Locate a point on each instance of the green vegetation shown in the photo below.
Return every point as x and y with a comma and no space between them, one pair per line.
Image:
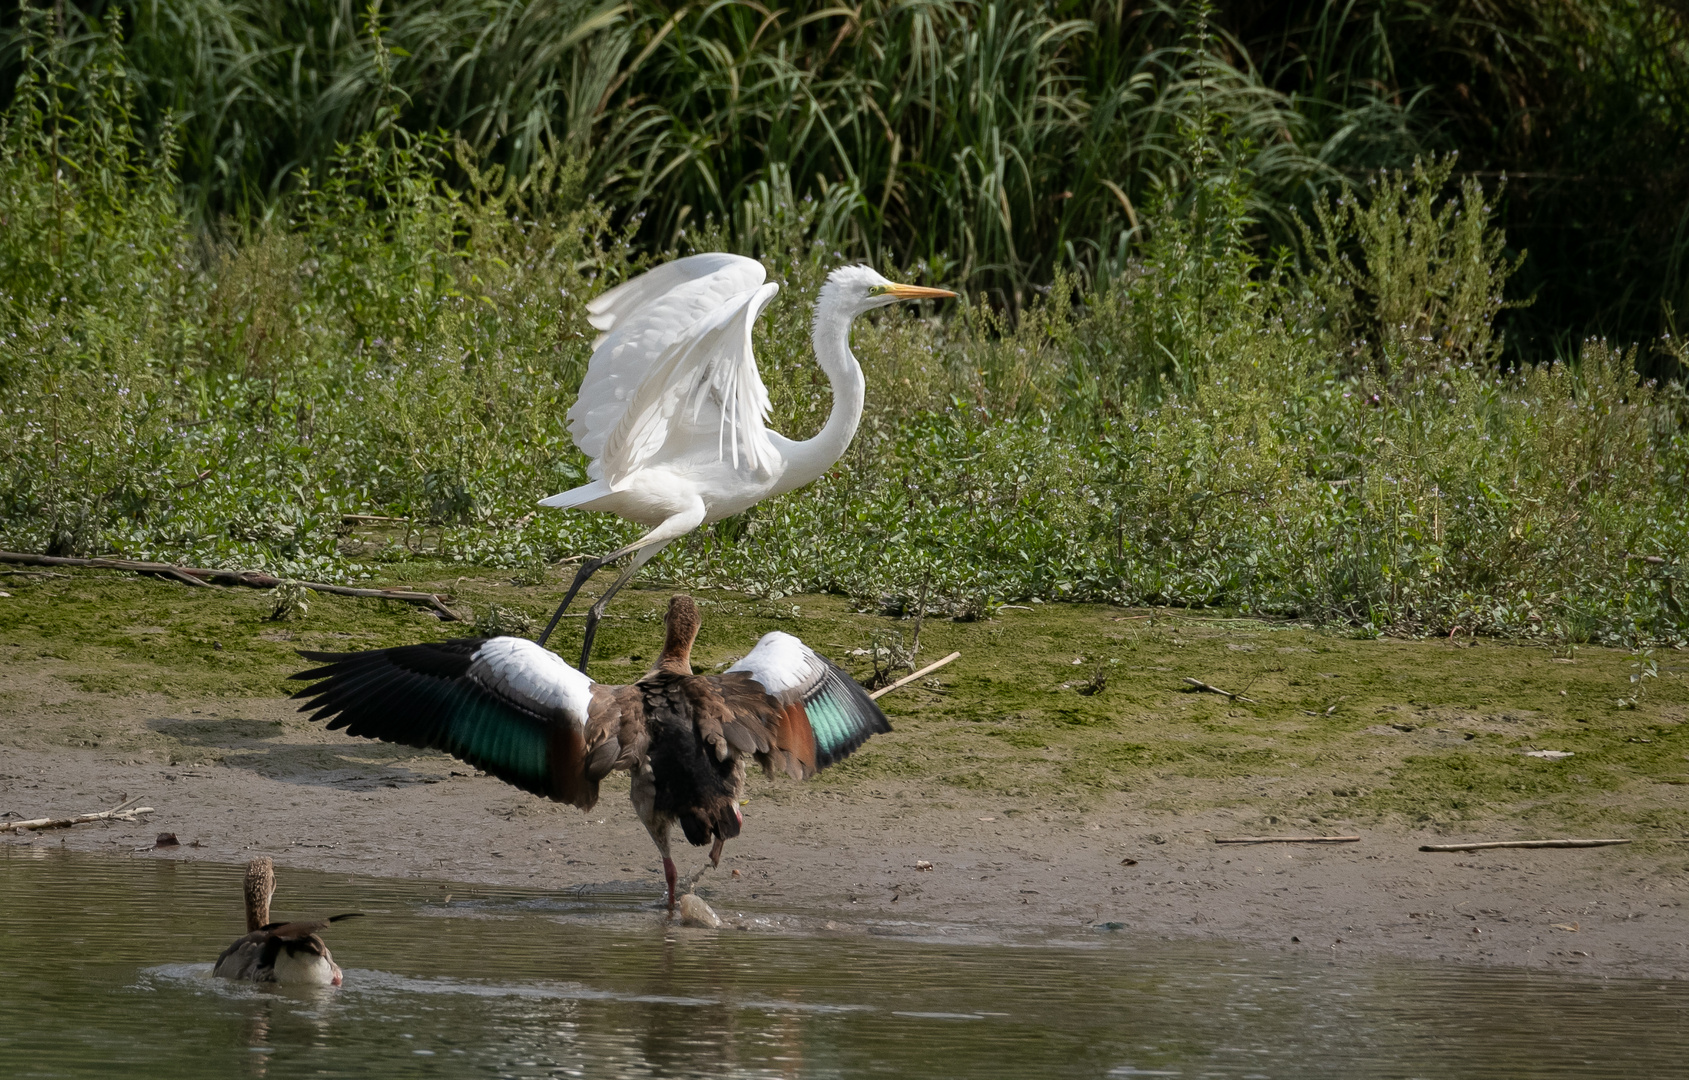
989,142
1330,435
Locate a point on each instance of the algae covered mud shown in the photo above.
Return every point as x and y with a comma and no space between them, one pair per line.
1060,775
103,970
1050,706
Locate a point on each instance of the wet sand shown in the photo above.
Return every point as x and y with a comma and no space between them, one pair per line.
824,857
1040,810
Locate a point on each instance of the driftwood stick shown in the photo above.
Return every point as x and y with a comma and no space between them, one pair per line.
1520,843
120,812
911,678
187,579
256,579
1200,685
431,600
1286,839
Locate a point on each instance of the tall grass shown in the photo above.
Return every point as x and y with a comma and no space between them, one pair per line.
1331,438
1581,104
987,142
990,142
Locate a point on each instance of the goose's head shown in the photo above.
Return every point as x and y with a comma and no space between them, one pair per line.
855,289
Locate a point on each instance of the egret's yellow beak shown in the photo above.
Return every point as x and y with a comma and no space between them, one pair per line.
910,292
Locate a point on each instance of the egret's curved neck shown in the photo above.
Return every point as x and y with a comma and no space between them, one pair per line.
810,458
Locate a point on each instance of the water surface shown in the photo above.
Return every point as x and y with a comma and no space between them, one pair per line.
104,972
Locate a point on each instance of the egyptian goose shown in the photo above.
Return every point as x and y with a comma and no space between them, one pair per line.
277,952
510,707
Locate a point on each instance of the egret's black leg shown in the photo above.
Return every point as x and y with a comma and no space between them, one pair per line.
596,612
589,568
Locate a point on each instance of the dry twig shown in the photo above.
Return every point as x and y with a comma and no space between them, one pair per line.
1286,839
199,576
911,678
120,812
1202,686
1520,843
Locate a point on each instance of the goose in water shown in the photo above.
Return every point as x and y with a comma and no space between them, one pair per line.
519,712
270,952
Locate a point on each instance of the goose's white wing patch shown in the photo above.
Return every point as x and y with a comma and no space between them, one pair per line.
785,666
532,676
824,714
502,704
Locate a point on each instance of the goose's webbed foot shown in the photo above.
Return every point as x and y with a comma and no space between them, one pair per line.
715,861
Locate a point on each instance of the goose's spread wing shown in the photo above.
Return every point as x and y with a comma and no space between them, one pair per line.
305,927
797,711
673,369
502,704
239,960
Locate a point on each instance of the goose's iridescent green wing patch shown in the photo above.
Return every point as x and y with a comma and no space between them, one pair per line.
815,714
503,704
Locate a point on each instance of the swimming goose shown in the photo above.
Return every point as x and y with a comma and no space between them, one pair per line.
519,712
270,952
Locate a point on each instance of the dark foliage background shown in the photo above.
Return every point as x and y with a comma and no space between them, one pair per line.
985,141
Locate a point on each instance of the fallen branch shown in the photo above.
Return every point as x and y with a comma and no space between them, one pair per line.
1286,839
120,812
199,576
911,678
1202,686
1520,843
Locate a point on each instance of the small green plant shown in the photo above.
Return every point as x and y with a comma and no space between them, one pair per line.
1643,668
889,658
1410,282
498,621
530,574
292,601
1098,682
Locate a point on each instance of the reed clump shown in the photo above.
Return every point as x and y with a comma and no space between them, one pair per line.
989,143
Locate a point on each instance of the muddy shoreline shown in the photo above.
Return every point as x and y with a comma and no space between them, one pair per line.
848,861
1045,803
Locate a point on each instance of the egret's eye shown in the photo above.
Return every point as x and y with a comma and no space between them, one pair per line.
878,290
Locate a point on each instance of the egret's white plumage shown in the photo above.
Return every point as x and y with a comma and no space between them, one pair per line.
673,413
674,363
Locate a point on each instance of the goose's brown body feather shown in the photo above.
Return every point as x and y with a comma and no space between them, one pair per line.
522,714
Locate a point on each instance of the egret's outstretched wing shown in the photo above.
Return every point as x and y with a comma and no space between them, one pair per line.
792,708
502,704
673,375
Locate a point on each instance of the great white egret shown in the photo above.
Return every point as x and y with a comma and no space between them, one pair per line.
519,711
672,408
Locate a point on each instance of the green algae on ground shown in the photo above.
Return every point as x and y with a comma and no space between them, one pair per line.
1059,704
